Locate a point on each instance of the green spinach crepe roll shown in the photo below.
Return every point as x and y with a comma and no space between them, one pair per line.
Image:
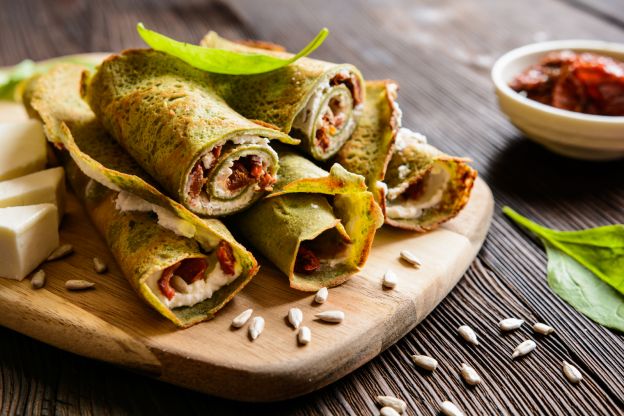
417,186
185,267
167,116
316,226
316,101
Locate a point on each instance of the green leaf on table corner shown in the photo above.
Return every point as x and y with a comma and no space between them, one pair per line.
601,249
222,61
11,78
583,290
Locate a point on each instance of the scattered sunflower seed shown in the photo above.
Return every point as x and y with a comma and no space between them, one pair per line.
99,265
37,281
411,258
394,403
524,348
242,318
389,279
61,251
179,284
388,411
573,375
78,284
331,316
256,327
321,295
470,375
468,334
426,362
295,317
543,329
304,336
510,324
449,409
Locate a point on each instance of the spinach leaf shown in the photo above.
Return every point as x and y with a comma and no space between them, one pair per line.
222,61
601,249
583,290
11,79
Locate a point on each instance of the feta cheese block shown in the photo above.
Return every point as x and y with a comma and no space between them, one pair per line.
37,188
28,234
22,149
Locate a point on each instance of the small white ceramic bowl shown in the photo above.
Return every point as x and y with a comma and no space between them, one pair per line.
577,135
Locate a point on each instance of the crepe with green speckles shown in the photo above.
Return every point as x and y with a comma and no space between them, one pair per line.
316,101
154,239
417,186
167,116
316,226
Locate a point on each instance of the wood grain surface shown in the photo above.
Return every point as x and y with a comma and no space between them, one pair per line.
440,52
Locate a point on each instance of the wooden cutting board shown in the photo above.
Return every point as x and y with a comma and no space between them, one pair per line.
112,324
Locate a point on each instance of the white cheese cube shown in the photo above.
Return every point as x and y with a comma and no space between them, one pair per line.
37,188
28,234
22,149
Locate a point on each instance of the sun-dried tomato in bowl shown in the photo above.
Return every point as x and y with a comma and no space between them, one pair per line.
583,82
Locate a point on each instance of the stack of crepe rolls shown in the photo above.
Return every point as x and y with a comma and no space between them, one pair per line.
417,186
316,226
184,267
161,109
316,101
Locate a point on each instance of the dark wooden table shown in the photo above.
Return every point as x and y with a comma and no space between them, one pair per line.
440,51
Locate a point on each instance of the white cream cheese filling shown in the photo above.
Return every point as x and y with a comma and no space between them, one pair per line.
435,185
244,195
198,291
129,202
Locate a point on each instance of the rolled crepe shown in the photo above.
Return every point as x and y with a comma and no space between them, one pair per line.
417,186
167,116
317,227
313,100
184,267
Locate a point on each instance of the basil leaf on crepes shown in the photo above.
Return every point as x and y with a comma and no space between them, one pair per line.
315,101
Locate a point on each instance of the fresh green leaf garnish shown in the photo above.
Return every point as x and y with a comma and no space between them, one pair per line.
601,249
583,290
11,78
222,61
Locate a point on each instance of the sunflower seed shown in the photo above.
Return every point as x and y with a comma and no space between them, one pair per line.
449,409
99,265
510,324
256,327
179,284
242,318
468,334
304,336
330,316
389,279
411,258
426,362
470,375
524,348
573,375
78,284
37,281
295,317
394,403
388,411
321,295
61,251
543,329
